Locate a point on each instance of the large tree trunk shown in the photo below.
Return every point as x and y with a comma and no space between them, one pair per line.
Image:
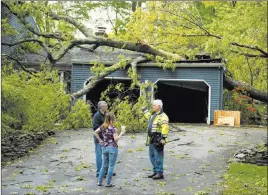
230,84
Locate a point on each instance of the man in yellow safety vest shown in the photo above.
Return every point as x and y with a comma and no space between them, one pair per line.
158,129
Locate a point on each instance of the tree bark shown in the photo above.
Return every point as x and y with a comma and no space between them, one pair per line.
230,84
134,5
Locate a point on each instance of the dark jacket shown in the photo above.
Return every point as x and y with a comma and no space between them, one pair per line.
98,120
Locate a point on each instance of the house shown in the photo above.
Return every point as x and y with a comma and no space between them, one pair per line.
190,93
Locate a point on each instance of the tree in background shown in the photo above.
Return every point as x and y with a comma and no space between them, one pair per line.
160,31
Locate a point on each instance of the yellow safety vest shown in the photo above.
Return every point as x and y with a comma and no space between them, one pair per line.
160,125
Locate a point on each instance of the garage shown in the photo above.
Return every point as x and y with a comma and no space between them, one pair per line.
190,93
184,101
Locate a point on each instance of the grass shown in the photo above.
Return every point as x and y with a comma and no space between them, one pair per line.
245,179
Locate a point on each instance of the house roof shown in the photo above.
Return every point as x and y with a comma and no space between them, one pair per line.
109,56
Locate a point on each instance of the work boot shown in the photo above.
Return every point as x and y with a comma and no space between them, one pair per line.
158,176
151,176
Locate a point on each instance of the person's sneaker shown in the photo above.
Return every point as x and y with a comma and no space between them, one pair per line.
151,176
158,176
114,174
99,184
97,175
110,185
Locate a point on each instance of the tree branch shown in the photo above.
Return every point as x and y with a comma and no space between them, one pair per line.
81,27
230,84
31,29
108,42
21,65
250,47
120,45
194,23
188,35
134,64
249,55
93,47
49,55
94,80
207,33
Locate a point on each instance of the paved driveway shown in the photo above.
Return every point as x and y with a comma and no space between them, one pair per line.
65,163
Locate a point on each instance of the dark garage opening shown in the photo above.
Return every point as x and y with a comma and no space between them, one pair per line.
95,94
184,104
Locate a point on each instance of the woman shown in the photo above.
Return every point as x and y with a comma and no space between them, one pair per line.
109,147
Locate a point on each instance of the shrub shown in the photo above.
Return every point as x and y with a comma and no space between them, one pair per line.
79,116
37,103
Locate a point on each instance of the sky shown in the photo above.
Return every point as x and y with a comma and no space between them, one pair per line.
99,17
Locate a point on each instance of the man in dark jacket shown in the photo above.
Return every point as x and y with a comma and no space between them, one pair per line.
98,120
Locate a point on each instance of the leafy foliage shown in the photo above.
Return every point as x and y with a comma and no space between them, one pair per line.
79,116
188,28
126,107
37,103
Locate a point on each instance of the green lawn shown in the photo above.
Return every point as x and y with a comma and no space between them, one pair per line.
245,179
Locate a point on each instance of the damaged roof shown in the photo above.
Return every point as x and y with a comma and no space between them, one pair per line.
109,56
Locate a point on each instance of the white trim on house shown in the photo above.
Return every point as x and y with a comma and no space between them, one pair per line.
118,78
195,80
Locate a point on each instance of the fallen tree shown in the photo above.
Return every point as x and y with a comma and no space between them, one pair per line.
64,41
231,84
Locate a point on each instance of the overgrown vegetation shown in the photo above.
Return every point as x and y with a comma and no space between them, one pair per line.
127,107
79,116
245,179
37,103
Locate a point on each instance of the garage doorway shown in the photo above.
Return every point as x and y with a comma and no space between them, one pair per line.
94,95
185,101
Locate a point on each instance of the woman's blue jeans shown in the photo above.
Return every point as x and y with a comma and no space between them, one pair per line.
109,156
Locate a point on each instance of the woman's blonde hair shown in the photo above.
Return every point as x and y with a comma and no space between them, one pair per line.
109,120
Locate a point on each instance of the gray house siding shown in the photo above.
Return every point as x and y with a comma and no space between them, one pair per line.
213,76
80,73
18,26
